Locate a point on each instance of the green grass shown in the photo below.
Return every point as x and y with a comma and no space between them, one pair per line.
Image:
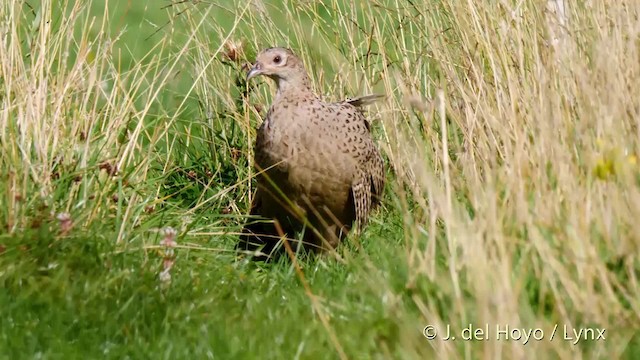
511,197
212,306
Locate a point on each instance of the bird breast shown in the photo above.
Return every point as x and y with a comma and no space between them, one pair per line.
304,156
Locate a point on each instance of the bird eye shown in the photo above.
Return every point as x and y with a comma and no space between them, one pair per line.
277,59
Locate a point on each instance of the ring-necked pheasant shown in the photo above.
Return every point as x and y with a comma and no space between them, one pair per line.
318,162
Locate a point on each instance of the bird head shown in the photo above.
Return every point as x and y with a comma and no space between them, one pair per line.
279,64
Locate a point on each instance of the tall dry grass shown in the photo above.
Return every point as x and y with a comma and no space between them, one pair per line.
533,178
512,129
81,120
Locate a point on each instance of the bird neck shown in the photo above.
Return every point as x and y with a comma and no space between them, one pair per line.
300,85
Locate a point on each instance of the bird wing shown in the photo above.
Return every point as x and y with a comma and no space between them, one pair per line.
361,192
368,184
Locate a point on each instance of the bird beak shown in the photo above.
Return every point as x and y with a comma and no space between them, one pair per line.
255,71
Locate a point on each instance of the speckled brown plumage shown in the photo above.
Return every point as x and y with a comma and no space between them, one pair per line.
319,164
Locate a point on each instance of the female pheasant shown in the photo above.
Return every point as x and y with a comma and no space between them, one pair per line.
319,167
